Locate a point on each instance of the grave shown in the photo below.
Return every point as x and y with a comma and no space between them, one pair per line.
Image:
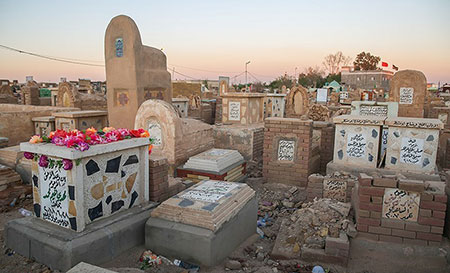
216,164
412,144
373,108
134,72
204,223
68,95
30,93
7,95
408,88
357,140
81,120
43,125
174,137
274,105
182,104
242,108
297,102
91,212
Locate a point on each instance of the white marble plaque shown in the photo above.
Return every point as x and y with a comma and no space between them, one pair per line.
54,195
373,110
400,204
234,110
356,145
335,189
286,150
343,95
209,191
411,150
154,129
406,95
322,95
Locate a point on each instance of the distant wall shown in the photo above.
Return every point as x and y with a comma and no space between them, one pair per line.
15,120
186,89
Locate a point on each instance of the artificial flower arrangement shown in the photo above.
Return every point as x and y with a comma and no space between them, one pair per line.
81,140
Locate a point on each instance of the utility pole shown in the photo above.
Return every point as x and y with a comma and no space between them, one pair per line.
295,74
246,75
173,72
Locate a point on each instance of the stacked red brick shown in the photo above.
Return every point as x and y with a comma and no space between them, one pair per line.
158,171
427,230
290,172
315,186
326,145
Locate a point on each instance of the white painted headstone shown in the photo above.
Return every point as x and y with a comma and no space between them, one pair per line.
411,150
373,110
356,145
154,129
322,95
209,191
406,95
400,204
286,150
443,117
234,110
54,195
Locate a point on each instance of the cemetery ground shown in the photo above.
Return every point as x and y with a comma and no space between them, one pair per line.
277,203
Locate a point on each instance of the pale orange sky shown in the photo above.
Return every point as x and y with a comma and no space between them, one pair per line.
276,36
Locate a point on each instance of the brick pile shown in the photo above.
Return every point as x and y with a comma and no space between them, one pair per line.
294,172
427,230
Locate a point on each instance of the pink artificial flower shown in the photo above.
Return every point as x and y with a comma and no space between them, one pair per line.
28,155
58,141
43,161
67,164
82,146
36,139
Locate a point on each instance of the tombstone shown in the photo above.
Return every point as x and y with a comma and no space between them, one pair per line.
274,105
43,125
243,108
30,93
357,140
283,89
7,95
175,138
134,72
297,102
322,95
408,88
216,164
182,104
204,223
224,83
68,95
373,108
80,120
412,144
100,201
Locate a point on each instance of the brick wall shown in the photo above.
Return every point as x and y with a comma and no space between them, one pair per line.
297,170
158,178
434,112
428,228
447,155
258,144
218,113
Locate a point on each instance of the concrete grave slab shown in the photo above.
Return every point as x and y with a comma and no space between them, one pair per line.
374,108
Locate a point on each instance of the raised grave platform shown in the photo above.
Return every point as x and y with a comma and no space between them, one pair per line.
217,164
204,223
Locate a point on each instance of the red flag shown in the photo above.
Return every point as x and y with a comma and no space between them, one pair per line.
394,67
383,64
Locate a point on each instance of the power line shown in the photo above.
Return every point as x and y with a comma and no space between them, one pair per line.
199,69
49,57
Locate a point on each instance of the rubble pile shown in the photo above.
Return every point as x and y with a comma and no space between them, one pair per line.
311,224
254,168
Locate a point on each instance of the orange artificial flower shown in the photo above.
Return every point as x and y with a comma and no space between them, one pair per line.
36,139
108,129
145,134
91,131
150,147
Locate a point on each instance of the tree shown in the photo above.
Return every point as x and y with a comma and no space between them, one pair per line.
282,80
312,77
334,62
258,87
366,61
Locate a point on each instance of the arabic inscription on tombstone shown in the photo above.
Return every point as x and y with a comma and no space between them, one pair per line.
400,204
154,129
209,191
335,189
234,108
411,150
286,150
356,145
55,204
406,95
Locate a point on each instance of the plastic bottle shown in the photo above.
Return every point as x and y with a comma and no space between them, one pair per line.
25,212
185,265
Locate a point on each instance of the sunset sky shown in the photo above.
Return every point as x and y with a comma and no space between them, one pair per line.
220,36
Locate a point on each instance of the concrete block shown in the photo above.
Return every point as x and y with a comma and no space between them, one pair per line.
61,249
200,245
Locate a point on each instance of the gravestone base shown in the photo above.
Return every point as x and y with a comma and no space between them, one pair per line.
200,245
60,248
356,170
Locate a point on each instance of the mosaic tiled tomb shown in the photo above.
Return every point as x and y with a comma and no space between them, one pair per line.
412,144
105,179
357,140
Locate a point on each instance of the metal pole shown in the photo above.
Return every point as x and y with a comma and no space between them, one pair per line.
246,75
